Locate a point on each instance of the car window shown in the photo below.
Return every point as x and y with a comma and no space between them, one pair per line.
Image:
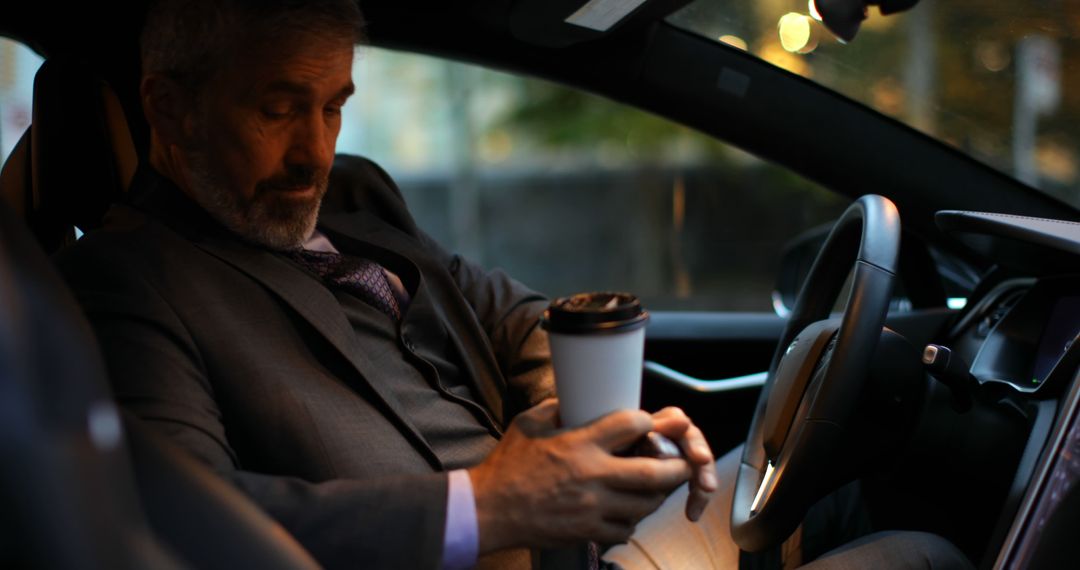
18,64
565,190
569,191
995,80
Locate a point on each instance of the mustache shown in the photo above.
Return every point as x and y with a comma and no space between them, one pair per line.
293,177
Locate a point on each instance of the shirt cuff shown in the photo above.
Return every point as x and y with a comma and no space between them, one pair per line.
461,541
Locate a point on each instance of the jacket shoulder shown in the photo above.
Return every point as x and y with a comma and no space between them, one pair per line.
128,241
359,184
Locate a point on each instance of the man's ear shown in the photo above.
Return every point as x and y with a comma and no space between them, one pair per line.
169,108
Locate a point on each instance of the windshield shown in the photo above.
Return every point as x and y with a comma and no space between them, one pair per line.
997,80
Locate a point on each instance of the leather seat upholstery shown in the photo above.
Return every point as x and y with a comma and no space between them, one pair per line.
65,480
81,487
76,158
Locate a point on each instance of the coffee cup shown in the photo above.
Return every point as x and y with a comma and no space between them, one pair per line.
597,348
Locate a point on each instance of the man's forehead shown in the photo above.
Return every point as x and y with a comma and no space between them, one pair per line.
280,51
293,66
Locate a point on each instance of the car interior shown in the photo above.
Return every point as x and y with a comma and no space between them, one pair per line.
962,422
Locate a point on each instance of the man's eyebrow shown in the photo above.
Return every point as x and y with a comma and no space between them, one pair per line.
288,87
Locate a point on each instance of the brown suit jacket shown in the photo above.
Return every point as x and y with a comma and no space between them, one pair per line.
252,366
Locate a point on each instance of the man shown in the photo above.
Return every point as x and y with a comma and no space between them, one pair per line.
386,401
389,405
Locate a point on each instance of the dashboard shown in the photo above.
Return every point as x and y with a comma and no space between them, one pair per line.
1021,339
1027,334
1021,333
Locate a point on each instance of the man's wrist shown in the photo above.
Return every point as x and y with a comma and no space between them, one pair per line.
491,532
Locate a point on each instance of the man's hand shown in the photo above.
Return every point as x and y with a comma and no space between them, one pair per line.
545,486
673,423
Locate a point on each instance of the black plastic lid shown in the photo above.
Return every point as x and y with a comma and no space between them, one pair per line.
587,313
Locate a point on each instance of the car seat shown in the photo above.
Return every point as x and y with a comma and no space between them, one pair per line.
76,158
81,487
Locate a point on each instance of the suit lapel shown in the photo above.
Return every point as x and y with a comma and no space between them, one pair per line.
365,234
310,299
318,306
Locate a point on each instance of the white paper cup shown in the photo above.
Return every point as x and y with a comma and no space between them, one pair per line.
597,347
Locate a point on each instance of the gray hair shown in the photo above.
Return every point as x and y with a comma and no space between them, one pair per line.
188,40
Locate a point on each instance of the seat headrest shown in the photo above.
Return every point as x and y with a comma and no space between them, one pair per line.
75,160
16,190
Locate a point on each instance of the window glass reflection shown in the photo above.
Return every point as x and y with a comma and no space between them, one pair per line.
568,191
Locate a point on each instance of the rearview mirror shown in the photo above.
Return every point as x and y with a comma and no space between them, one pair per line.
843,17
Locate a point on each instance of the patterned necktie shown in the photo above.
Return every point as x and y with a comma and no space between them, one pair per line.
361,277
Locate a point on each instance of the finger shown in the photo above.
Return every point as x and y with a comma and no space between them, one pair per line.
696,501
704,480
548,409
539,418
696,450
618,430
671,428
645,474
703,484
671,422
695,447
705,476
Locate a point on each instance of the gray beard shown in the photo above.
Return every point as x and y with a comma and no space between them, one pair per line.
265,219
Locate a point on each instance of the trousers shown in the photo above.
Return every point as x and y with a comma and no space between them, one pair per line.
666,540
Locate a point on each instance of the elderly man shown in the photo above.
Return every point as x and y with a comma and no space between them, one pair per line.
383,399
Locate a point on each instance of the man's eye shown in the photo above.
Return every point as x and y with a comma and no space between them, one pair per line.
276,111
332,109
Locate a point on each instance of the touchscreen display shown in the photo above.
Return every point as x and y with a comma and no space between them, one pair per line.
1060,483
1059,334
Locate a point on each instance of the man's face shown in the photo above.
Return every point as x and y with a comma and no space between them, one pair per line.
263,135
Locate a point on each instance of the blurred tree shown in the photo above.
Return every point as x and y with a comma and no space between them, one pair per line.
556,117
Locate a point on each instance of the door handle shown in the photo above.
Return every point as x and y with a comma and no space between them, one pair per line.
676,378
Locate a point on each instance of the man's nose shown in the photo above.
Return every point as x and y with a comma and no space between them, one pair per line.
313,143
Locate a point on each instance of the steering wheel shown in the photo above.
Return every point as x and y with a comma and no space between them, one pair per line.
816,376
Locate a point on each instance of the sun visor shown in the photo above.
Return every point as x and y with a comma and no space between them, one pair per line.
1030,245
561,23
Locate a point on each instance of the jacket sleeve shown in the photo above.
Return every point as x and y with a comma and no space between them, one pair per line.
156,373
510,314
508,311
